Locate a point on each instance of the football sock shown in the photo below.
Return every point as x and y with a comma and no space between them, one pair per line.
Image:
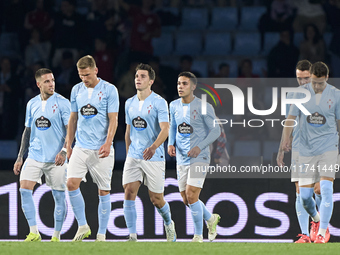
326,208
206,214
197,217
302,215
165,213
318,200
28,207
104,210
59,209
130,215
306,198
56,234
78,206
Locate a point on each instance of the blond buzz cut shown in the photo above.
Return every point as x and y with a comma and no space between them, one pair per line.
85,62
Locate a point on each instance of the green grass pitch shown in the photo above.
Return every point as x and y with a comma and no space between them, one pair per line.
159,248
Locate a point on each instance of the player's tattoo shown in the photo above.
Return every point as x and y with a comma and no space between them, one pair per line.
25,141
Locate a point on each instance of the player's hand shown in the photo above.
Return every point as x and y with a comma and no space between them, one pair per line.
279,158
17,166
60,158
286,145
104,151
69,152
149,152
171,151
194,152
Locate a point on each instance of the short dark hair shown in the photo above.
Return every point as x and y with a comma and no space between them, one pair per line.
303,65
319,69
148,68
41,72
189,75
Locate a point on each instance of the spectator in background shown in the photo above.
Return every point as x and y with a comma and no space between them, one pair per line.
104,59
145,26
10,100
246,69
313,47
185,65
69,31
309,11
223,71
283,57
37,50
39,19
66,74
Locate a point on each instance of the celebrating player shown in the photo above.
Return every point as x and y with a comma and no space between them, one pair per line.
45,129
147,127
94,111
318,145
192,132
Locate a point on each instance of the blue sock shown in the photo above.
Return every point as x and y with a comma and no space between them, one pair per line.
130,215
302,215
78,206
28,207
306,198
206,213
318,200
197,217
104,210
59,209
326,208
165,213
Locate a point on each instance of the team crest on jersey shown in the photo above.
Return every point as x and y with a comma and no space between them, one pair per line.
100,95
139,123
88,111
42,123
329,102
316,119
194,114
54,107
149,108
185,129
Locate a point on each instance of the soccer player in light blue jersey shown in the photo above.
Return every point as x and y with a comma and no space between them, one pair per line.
318,145
45,130
191,133
303,77
147,127
93,119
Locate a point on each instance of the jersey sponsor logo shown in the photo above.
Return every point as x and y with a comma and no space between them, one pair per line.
88,111
316,119
139,123
42,123
185,129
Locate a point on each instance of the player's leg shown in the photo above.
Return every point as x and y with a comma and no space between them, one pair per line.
30,174
195,206
56,179
154,179
132,178
317,194
76,171
101,173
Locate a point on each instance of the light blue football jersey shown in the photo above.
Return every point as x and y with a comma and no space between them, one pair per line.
190,128
47,125
93,121
318,131
144,119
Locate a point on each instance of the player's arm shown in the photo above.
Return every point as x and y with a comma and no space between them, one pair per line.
172,134
104,151
61,156
286,133
127,138
214,133
71,132
25,141
150,151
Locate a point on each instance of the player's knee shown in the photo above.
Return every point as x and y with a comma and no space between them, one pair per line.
191,198
156,201
317,190
71,185
130,193
59,196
